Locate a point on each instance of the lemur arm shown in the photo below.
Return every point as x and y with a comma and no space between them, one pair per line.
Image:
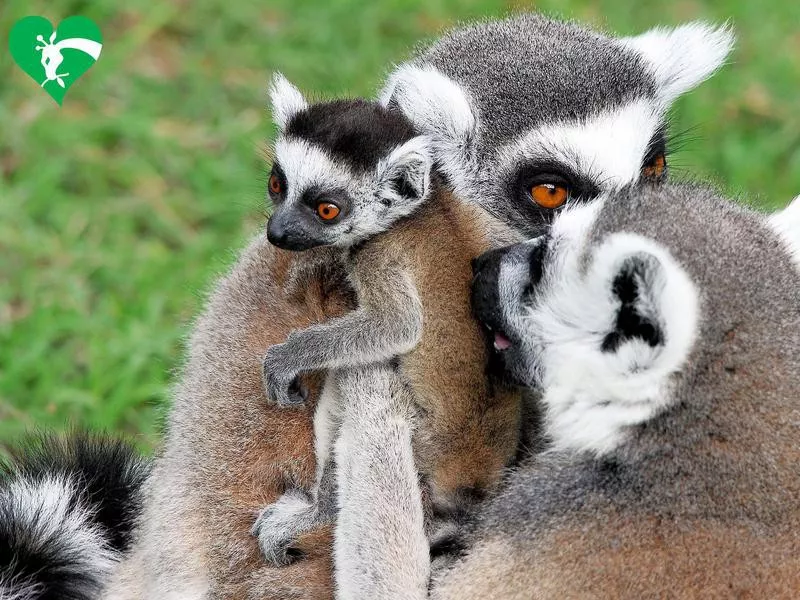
380,547
387,323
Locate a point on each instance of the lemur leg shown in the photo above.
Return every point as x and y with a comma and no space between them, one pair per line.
380,547
387,323
298,511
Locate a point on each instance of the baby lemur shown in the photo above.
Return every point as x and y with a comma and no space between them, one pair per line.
353,175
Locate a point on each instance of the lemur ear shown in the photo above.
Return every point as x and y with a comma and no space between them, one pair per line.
286,100
786,223
653,303
404,176
436,104
683,57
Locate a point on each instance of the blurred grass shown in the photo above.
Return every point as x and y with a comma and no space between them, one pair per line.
119,209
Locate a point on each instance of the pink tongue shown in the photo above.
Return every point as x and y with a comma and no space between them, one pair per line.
501,342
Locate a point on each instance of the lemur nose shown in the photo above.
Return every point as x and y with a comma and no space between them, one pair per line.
276,233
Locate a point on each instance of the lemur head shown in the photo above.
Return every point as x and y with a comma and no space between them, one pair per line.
597,318
651,297
343,170
528,113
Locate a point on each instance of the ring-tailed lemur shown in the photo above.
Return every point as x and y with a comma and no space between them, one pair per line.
354,175
661,328
227,453
529,101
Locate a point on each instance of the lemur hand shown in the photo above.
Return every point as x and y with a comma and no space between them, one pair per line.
282,386
279,525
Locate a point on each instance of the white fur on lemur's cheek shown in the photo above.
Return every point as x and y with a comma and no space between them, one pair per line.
592,396
572,226
608,148
286,100
306,165
683,57
786,223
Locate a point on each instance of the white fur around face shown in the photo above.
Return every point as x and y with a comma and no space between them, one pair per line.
683,57
787,225
608,148
307,165
591,396
286,100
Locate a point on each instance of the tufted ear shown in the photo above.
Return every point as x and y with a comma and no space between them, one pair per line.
286,100
404,177
436,104
682,57
786,223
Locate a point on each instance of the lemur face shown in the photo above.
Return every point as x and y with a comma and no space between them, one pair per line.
529,114
343,170
597,321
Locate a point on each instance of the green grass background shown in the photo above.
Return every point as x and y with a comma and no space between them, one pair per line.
118,210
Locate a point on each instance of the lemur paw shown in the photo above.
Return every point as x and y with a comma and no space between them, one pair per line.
285,392
281,387
280,524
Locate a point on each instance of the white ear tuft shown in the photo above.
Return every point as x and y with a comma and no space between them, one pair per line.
683,57
404,176
787,225
286,100
433,102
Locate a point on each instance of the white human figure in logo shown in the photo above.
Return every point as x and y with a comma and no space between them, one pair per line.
52,57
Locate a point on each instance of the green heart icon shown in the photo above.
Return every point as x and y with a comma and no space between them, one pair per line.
55,59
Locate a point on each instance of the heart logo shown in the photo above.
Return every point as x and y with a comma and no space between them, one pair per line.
55,59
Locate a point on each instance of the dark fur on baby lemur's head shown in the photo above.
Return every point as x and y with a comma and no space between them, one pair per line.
358,132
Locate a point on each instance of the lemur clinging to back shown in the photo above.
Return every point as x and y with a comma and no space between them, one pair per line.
661,328
354,175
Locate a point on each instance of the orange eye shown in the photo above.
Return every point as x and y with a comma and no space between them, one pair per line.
327,211
655,168
549,195
274,184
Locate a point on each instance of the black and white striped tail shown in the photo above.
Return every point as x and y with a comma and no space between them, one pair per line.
67,511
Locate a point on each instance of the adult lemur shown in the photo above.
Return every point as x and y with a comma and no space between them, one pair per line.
228,453
661,328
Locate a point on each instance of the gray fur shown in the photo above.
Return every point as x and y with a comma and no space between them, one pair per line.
530,70
709,483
